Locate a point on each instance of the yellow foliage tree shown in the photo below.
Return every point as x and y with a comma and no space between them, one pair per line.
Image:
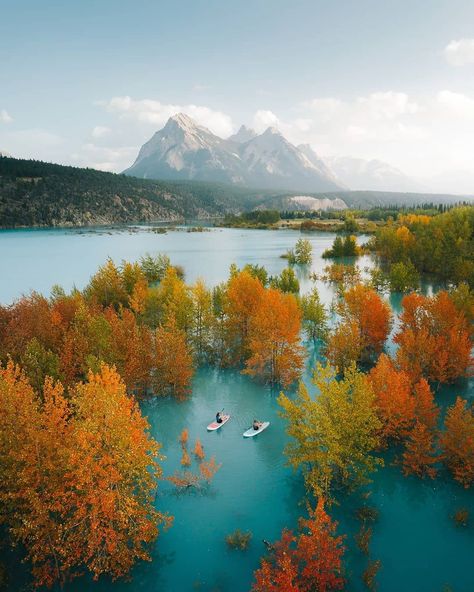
334,435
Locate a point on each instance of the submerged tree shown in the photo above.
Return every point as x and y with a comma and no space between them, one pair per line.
457,442
308,561
394,401
276,354
335,435
172,363
302,253
434,338
314,316
79,464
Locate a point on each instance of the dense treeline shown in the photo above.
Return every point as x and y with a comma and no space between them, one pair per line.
34,193
440,245
143,319
255,218
374,213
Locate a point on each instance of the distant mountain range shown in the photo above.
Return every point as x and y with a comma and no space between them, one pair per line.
185,150
374,175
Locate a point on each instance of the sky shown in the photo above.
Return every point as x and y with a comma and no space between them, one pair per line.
88,82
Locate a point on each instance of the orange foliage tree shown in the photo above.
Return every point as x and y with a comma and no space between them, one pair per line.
172,361
372,314
198,450
434,338
394,400
78,491
419,455
310,561
457,442
364,327
344,345
130,349
276,352
421,452
243,296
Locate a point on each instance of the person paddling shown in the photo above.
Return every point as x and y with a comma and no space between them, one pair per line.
219,417
257,424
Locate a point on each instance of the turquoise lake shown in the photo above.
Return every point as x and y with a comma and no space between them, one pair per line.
415,537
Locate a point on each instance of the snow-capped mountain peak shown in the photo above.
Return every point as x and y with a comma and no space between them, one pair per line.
243,135
183,149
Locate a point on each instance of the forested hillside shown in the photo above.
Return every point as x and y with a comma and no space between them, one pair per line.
34,193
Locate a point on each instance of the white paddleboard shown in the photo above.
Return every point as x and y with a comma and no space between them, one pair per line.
250,433
212,427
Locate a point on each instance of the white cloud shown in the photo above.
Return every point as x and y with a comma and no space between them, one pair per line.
157,113
105,158
422,135
456,104
460,52
387,105
99,131
5,117
264,119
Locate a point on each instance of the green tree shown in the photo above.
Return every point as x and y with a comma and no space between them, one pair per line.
286,281
403,277
38,363
154,268
334,435
314,316
303,252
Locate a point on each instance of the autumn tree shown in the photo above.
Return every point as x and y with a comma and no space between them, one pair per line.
394,401
363,328
203,322
130,349
434,338
344,345
78,491
38,363
31,317
372,314
333,436
457,442
174,298
86,343
308,561
242,298
420,454
131,275
172,361
426,409
276,355
106,286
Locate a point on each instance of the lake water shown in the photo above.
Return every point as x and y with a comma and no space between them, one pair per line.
415,538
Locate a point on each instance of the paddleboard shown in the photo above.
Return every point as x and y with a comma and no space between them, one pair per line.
250,433
212,427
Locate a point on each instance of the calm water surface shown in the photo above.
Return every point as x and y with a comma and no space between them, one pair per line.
420,548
